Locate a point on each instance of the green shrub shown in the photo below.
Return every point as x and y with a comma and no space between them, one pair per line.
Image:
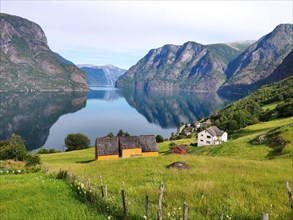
159,138
76,142
32,160
51,151
15,149
42,151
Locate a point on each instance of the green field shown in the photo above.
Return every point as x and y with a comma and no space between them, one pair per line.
37,196
234,180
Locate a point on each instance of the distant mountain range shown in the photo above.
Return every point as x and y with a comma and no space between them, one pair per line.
225,68
101,75
28,64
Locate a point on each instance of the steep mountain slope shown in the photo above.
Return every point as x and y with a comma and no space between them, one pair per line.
285,69
62,59
191,66
260,60
101,75
224,68
27,63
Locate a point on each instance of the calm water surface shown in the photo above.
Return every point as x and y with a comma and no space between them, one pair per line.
44,119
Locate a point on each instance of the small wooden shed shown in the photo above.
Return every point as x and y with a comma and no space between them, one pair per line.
181,149
148,145
107,148
130,146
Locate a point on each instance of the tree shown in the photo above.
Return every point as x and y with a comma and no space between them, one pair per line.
159,138
32,160
110,135
13,149
120,133
76,141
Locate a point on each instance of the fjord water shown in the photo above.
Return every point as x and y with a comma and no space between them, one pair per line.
44,119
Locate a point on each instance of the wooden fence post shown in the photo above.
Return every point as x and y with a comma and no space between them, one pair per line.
95,189
102,188
264,216
289,195
160,211
185,211
124,198
88,184
147,207
81,179
106,191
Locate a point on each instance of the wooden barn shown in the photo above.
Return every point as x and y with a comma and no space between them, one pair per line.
181,149
107,148
148,145
130,146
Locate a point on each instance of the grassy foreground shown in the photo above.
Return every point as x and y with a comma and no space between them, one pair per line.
235,180
37,196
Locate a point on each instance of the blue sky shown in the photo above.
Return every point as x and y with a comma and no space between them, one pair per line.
122,32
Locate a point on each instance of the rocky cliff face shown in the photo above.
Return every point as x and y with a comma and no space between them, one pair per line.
27,63
212,68
191,66
260,60
101,75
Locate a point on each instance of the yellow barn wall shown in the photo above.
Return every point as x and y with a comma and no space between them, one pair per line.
107,157
131,152
150,154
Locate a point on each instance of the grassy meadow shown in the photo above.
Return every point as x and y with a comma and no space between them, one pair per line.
37,196
235,180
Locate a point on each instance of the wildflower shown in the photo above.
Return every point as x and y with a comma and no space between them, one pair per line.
19,171
1,171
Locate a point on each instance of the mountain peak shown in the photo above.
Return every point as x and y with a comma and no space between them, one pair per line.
284,27
27,63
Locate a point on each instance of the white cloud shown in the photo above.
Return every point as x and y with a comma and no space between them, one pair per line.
131,28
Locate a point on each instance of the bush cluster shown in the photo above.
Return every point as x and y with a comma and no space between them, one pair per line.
14,148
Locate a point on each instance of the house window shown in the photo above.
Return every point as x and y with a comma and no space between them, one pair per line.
201,134
201,140
208,136
208,142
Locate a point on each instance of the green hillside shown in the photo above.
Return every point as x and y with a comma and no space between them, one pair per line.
267,103
236,180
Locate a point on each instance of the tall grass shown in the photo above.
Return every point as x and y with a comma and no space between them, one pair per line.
36,196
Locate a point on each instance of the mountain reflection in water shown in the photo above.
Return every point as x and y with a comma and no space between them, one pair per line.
42,118
169,108
31,115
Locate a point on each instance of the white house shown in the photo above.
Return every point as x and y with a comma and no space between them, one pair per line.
211,135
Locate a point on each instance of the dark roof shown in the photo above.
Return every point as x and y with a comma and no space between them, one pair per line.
181,147
188,129
107,146
129,142
148,143
215,131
